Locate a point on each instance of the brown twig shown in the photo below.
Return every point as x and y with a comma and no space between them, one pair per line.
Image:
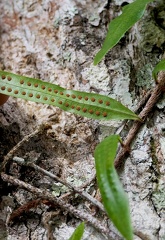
88,182
155,95
10,154
44,194
82,193
26,208
83,186
137,109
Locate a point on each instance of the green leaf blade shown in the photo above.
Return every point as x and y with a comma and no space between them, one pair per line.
120,25
159,67
89,105
78,233
114,198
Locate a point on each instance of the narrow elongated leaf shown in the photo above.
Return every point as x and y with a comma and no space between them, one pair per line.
120,25
89,105
113,196
159,67
78,233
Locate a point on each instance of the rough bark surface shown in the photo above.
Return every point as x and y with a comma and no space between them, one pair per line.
56,41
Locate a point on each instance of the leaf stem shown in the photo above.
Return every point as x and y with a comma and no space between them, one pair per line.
82,193
155,95
43,194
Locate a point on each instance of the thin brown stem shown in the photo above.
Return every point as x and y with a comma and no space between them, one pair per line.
11,153
44,194
155,95
82,193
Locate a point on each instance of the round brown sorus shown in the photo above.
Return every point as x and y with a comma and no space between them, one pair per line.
9,78
90,111
52,100
60,102
84,110
93,99
3,88
68,95
29,84
15,91
9,89
73,96
3,76
67,104
55,91
97,113
100,101
78,108
61,93
43,87
105,114
107,103
45,98
36,85
79,97
30,94
86,98
23,93
73,107
38,96
49,89
21,81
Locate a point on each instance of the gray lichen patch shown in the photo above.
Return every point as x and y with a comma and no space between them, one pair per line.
158,196
151,34
120,81
56,41
144,219
144,77
97,76
108,128
89,233
158,200
162,145
137,181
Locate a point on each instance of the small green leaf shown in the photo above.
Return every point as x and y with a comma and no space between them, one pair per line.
77,235
120,25
159,67
113,196
89,105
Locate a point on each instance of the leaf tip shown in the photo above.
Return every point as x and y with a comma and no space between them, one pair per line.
96,60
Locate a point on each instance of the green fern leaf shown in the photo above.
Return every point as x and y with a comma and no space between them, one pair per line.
77,235
159,67
113,196
89,105
120,25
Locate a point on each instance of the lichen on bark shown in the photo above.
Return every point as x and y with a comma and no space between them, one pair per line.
56,41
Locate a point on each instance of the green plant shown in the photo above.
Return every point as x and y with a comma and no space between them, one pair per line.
113,196
77,234
131,13
89,105
159,67
93,106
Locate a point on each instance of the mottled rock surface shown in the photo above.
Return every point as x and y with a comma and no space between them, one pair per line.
56,41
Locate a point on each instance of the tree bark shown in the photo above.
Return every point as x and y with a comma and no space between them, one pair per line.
56,41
